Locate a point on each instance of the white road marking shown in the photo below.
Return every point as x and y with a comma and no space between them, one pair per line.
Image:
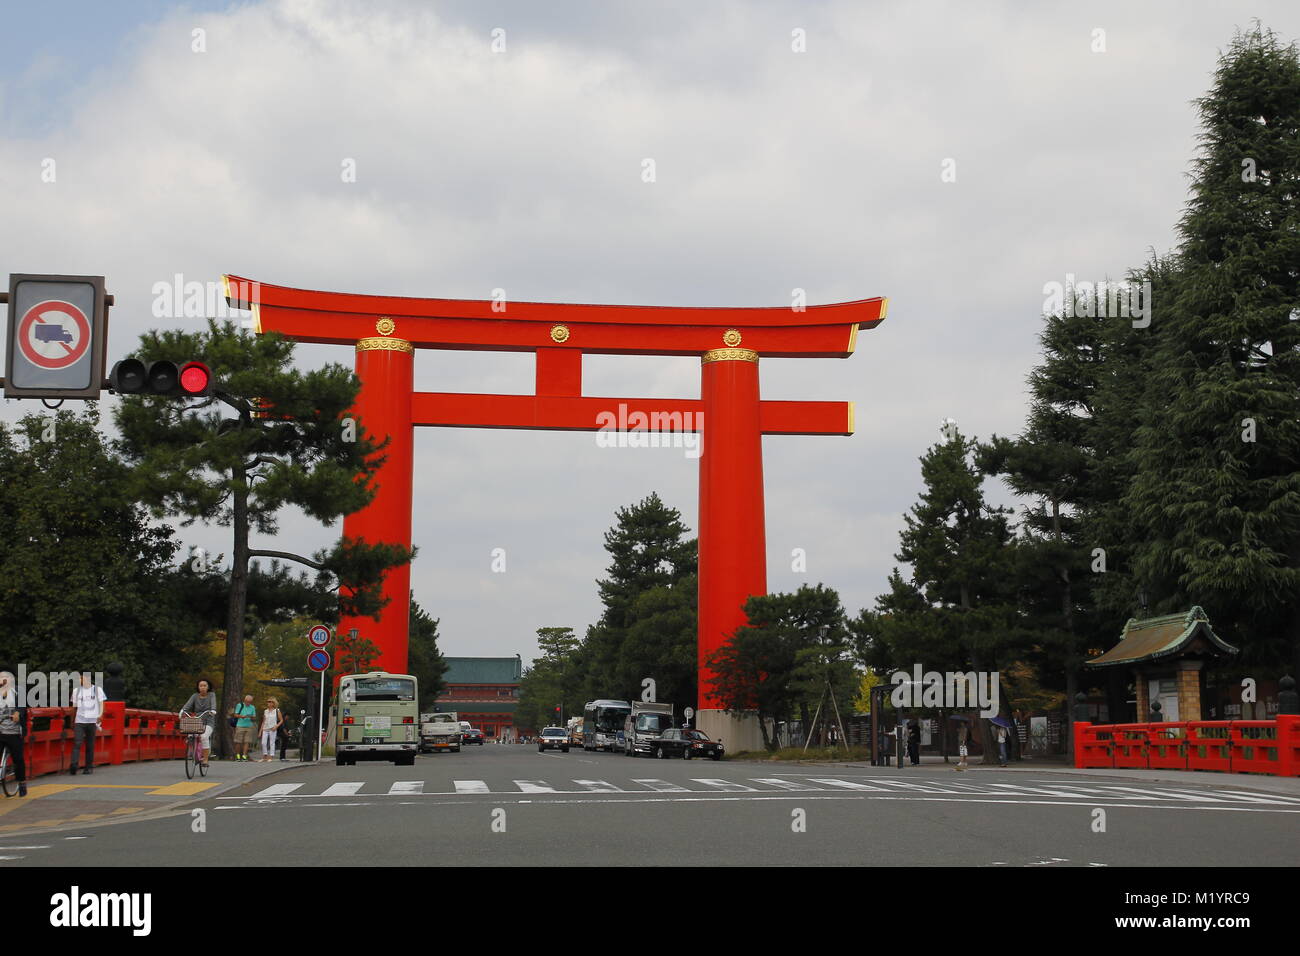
534,786
471,786
663,786
342,789
1048,791
909,787
782,784
409,786
45,846
726,785
599,786
1163,794
1256,797
846,784
277,790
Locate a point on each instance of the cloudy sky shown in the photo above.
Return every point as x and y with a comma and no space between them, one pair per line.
521,169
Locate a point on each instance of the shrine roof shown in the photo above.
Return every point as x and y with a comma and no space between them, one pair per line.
1172,635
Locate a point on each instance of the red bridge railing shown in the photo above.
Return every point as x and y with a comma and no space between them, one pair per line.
1228,746
128,734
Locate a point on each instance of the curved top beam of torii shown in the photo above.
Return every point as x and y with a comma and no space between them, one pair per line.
342,318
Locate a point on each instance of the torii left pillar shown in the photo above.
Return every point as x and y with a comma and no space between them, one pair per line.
386,367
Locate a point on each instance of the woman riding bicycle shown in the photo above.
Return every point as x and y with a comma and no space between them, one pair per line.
203,703
13,728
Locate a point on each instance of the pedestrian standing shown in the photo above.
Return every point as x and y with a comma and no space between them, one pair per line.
962,736
1002,746
914,743
244,715
272,721
284,739
13,728
88,699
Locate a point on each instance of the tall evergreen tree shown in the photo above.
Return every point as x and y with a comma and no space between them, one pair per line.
650,552
961,554
424,660
1217,483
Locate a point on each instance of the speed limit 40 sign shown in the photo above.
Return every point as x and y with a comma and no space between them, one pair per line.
54,346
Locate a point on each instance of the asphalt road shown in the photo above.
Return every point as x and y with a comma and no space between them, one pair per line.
499,805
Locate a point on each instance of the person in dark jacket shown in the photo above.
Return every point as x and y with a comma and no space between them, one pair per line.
914,742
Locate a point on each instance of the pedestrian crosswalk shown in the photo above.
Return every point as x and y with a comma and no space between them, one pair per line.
793,783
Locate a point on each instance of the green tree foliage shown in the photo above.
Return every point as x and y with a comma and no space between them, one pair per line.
424,660
553,680
85,579
648,597
1217,457
195,461
778,663
959,609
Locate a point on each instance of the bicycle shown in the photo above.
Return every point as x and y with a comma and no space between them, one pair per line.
193,728
8,776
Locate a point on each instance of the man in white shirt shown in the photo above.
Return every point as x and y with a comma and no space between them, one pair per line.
88,699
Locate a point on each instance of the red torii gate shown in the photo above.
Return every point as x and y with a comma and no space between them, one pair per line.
386,330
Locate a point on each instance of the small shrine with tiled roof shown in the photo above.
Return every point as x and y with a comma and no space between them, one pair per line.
1167,655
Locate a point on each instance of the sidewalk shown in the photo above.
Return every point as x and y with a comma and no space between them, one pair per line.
114,793
1057,765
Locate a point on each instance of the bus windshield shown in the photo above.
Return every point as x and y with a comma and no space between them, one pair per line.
383,688
610,719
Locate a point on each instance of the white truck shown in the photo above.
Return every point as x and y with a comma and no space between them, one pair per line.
439,732
646,722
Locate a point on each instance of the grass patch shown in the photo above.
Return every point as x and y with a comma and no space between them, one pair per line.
841,754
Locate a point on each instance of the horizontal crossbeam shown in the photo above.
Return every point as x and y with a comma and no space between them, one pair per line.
589,414
815,331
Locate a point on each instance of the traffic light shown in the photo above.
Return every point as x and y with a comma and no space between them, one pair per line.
166,379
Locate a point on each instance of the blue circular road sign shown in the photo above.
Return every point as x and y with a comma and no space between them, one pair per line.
318,660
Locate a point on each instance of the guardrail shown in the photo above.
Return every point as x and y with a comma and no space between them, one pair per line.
1228,746
129,734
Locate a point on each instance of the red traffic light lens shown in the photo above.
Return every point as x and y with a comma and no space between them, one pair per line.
195,378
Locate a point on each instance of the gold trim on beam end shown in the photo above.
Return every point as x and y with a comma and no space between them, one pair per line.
852,408
729,355
384,343
853,338
884,308
257,317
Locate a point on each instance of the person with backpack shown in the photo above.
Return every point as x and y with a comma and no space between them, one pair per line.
88,701
272,721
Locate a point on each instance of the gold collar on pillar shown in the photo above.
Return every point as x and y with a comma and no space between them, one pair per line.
385,341
729,355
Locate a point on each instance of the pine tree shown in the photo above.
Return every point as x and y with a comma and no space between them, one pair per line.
288,445
650,552
961,554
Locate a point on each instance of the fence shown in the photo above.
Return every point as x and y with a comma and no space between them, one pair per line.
128,734
1228,746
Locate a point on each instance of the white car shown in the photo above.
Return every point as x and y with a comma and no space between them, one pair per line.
556,737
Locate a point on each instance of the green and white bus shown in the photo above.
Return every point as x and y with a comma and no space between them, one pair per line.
378,718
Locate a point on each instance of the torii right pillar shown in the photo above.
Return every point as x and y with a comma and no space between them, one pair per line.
732,541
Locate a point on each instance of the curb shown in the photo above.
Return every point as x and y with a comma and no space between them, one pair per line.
167,809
